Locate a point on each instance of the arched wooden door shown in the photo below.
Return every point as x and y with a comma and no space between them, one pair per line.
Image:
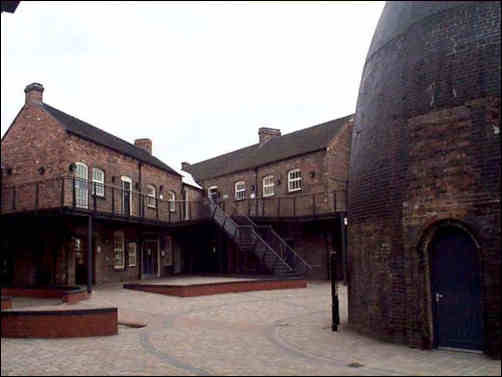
456,290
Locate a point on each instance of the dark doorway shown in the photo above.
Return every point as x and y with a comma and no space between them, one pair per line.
456,290
80,261
150,258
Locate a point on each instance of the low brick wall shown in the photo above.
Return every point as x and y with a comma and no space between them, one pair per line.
217,288
59,323
69,296
6,303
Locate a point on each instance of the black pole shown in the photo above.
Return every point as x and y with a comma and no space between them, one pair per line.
344,246
89,256
334,294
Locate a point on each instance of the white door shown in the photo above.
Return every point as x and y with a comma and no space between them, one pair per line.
81,185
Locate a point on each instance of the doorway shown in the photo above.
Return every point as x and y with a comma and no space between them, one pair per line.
126,196
150,258
456,290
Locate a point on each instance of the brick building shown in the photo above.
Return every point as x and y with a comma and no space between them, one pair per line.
295,183
56,171
424,194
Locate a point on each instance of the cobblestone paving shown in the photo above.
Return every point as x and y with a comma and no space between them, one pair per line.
283,332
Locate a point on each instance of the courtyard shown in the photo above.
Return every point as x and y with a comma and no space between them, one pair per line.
280,332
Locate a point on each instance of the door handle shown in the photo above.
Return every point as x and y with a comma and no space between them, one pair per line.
439,296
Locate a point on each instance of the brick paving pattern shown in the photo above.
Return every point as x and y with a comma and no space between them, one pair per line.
286,332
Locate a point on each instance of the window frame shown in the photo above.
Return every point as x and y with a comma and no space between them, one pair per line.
129,264
151,197
294,180
238,193
100,186
119,236
265,186
171,199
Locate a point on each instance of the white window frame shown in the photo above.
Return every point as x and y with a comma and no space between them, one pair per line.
128,180
151,196
82,185
132,256
118,247
97,183
294,183
171,198
268,187
240,192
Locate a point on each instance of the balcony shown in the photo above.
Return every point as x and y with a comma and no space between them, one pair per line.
79,195
307,206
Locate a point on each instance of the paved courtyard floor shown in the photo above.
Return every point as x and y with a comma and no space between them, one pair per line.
282,332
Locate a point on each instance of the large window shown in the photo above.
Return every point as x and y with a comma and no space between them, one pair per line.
132,252
240,190
98,182
171,197
151,196
268,186
81,185
294,180
118,251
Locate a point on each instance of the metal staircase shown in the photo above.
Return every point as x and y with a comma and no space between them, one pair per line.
270,249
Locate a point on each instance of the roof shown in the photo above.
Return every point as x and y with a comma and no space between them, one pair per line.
188,179
9,6
276,149
98,136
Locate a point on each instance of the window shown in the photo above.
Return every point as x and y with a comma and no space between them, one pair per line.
132,251
98,182
212,193
118,251
151,196
268,186
294,180
171,197
240,190
81,185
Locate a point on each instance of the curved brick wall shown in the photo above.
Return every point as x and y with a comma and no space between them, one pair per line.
425,148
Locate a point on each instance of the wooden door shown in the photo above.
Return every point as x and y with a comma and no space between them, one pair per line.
456,290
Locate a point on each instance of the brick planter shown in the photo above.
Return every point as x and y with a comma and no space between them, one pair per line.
59,323
69,295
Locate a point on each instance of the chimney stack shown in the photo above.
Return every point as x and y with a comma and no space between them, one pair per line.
34,94
185,166
266,134
145,144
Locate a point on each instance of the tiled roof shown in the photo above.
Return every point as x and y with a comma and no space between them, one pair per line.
98,136
276,149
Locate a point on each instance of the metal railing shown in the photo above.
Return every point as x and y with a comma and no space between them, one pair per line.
298,205
80,194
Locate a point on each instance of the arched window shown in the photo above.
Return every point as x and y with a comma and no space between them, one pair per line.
295,180
81,185
268,186
151,195
240,190
171,197
98,182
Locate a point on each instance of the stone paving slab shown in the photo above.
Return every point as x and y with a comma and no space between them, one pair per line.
253,333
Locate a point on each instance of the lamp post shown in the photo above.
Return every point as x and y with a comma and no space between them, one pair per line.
335,304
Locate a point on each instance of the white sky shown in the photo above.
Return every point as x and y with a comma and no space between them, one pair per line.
197,78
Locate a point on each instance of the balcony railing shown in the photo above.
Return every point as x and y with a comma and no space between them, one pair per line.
305,205
83,195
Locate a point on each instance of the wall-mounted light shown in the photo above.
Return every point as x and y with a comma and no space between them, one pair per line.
41,170
161,188
252,188
72,167
278,182
9,171
312,174
346,221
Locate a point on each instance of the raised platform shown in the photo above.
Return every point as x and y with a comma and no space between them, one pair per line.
205,286
69,295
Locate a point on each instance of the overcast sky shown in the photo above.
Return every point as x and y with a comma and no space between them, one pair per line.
198,78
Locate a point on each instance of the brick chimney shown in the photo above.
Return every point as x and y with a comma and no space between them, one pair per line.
33,94
185,166
145,144
266,134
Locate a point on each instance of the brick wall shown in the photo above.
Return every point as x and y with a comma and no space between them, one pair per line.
425,148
